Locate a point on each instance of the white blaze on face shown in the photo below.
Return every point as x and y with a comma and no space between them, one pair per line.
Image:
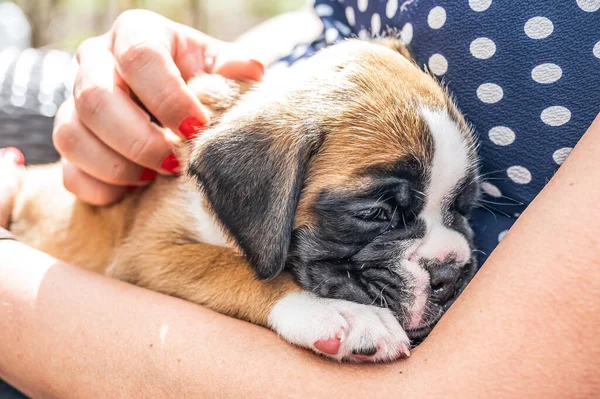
451,163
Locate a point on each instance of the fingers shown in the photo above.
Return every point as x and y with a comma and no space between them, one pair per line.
241,70
89,189
105,108
143,55
77,143
195,53
231,63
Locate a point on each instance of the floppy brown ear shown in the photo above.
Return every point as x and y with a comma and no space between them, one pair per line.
252,175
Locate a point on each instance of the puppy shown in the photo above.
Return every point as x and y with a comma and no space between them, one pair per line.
328,203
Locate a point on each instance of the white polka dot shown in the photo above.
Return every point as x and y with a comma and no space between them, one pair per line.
490,93
324,10
561,154
546,73
391,8
589,5
491,190
501,235
480,5
555,116
363,34
501,135
539,27
350,16
375,23
362,5
519,174
436,18
343,29
331,34
482,48
596,50
438,64
406,34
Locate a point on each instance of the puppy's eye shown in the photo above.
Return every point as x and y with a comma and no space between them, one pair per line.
375,214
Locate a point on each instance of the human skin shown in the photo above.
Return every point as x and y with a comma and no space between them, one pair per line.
526,326
148,57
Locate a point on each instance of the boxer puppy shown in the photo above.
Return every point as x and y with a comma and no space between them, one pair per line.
329,203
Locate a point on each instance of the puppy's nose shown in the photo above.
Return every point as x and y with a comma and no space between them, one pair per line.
443,282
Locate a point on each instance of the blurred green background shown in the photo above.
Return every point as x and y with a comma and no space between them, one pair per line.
63,24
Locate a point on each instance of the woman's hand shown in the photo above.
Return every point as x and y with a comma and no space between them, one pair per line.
11,161
106,138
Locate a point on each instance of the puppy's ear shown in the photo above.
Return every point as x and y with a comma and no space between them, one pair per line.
252,177
394,44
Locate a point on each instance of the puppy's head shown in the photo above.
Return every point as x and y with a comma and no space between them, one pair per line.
356,172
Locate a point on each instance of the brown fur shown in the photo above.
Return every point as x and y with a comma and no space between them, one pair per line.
146,240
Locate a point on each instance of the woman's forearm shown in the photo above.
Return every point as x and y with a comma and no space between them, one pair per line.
68,333
526,326
277,36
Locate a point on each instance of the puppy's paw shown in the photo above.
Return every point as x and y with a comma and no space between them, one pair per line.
339,329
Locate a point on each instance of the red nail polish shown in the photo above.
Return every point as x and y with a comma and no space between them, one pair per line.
171,164
14,155
190,127
148,175
259,65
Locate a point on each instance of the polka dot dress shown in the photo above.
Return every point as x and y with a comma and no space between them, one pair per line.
526,74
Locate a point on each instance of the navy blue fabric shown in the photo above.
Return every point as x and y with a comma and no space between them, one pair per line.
8,392
526,74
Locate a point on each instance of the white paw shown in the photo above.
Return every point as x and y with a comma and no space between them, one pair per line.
339,329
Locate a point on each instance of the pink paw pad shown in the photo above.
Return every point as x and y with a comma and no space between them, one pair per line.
329,346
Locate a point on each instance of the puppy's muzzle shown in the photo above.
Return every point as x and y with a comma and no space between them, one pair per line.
443,278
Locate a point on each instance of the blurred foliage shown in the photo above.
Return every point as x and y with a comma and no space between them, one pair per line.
63,24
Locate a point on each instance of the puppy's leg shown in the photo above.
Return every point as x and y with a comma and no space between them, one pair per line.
218,278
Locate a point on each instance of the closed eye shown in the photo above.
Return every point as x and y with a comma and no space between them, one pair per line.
375,214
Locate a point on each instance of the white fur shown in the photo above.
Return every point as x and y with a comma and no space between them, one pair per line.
206,227
303,319
420,288
451,163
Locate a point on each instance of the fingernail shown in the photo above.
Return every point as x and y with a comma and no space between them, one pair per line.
148,175
171,164
13,155
259,65
190,127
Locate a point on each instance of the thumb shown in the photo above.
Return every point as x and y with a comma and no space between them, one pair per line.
197,53
231,62
239,69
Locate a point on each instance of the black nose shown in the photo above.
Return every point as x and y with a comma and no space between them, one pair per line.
443,282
